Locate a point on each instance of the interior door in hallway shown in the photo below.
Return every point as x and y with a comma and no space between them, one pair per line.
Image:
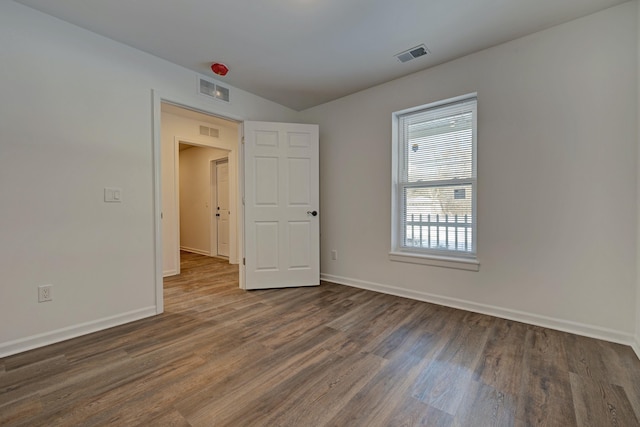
281,196
222,206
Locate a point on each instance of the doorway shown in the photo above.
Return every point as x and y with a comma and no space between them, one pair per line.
189,142
196,197
296,238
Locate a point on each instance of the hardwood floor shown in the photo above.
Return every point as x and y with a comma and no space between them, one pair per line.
330,355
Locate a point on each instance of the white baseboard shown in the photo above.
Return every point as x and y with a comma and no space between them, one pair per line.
169,273
47,338
504,313
195,251
636,345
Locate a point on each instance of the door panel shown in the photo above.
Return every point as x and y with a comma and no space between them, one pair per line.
299,182
267,245
281,192
299,244
266,181
222,183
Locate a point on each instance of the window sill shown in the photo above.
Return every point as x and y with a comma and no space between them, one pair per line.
436,261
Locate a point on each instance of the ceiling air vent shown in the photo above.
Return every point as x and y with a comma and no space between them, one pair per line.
207,131
213,90
413,53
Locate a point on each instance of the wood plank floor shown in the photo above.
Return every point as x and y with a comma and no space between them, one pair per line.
329,355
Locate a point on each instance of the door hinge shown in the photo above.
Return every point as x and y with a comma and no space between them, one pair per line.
243,139
244,261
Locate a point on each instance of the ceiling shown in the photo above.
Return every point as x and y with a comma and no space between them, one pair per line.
302,53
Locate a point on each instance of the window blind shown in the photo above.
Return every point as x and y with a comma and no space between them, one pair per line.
437,177
438,143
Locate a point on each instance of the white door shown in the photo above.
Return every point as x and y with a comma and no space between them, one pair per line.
281,197
222,206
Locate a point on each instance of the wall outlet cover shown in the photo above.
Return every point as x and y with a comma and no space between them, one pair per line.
45,293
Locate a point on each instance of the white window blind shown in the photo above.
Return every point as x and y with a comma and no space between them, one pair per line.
437,179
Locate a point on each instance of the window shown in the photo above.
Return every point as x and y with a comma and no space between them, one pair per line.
434,212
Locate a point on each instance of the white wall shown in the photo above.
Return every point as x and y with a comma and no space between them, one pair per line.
636,345
75,117
557,157
174,129
196,211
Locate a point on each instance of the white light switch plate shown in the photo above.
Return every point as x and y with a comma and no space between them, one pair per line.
112,195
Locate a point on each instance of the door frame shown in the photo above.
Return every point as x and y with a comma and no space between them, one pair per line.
213,197
157,99
177,140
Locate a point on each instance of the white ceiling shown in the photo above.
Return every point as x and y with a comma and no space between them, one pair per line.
302,53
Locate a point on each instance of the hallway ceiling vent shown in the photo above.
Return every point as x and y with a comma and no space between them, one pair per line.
207,131
213,90
413,53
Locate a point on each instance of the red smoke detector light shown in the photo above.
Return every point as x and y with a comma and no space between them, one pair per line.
219,69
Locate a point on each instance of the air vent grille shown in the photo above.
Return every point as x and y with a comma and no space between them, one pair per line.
213,90
413,53
207,131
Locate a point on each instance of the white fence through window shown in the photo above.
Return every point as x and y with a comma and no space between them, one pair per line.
447,232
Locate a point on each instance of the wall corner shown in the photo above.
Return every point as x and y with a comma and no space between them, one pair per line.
636,343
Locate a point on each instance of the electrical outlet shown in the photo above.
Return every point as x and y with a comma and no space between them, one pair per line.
45,293
334,255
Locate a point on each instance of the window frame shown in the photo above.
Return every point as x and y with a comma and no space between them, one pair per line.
435,257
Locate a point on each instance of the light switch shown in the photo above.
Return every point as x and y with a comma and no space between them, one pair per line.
112,195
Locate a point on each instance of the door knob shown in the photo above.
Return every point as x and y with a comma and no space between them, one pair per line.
312,213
